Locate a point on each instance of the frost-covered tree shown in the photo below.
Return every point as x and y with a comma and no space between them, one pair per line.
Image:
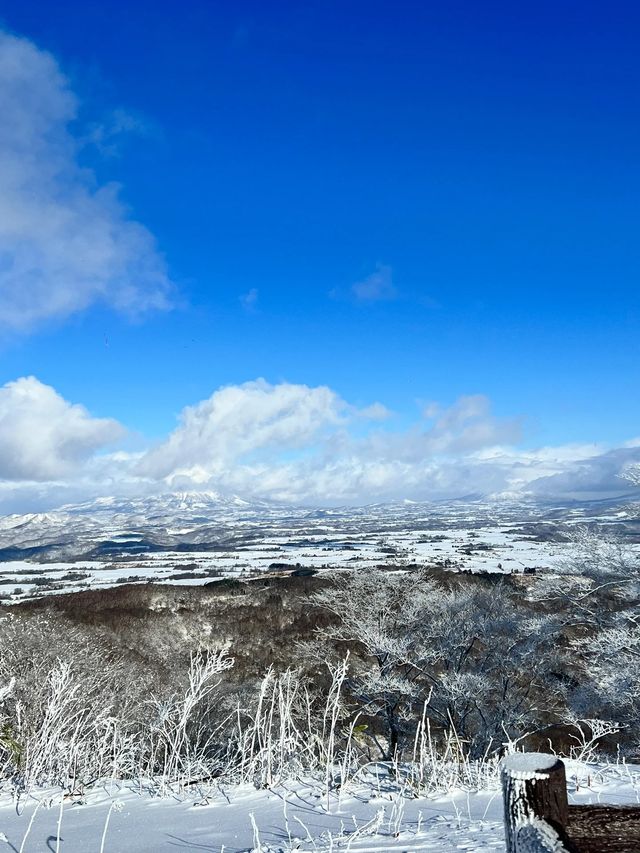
598,575
594,591
601,556
476,656
612,665
490,658
380,613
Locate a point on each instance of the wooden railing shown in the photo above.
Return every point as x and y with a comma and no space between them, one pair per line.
539,819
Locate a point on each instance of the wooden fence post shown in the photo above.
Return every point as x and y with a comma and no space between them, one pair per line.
536,808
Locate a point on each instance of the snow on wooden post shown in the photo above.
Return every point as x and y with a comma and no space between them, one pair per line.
536,808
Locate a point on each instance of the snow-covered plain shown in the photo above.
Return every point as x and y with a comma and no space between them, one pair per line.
371,816
200,537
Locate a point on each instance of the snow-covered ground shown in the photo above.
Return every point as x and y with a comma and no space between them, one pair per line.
494,550
199,538
295,816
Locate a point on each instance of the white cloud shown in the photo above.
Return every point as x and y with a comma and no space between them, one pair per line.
241,420
116,127
43,437
589,477
469,425
290,442
249,300
376,287
65,242
374,412
295,443
300,444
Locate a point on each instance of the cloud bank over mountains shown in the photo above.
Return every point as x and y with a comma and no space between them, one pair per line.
66,242
290,443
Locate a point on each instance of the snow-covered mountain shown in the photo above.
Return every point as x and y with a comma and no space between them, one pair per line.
73,529
209,505
179,518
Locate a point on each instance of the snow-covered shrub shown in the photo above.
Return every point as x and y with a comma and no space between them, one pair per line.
290,729
178,731
72,705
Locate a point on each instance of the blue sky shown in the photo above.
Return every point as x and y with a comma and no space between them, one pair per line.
407,203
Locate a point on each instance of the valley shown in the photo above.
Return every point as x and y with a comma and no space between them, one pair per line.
198,538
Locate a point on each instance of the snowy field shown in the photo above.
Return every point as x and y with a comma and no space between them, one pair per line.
493,550
196,539
371,817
